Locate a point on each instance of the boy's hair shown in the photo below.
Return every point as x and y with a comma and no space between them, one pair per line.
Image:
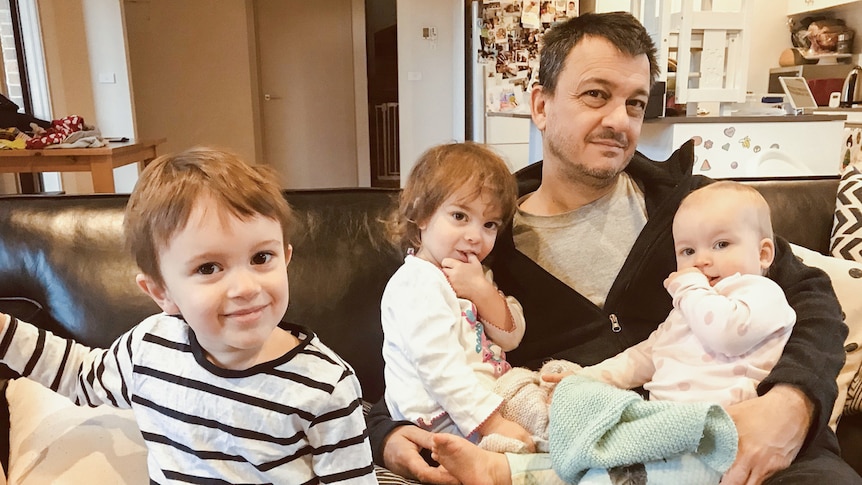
619,28
759,206
172,185
440,172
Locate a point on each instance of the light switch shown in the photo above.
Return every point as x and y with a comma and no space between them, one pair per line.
107,78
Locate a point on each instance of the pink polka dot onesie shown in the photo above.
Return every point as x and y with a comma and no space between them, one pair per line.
716,345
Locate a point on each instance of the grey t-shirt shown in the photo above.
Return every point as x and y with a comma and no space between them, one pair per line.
585,248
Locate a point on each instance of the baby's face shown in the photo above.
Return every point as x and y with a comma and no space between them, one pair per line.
719,239
227,277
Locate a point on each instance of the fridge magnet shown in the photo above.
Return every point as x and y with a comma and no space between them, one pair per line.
547,12
512,7
500,36
530,14
560,10
729,131
706,166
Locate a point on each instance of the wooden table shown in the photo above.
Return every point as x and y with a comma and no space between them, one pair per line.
100,162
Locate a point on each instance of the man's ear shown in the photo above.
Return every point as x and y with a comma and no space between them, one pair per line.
537,106
767,253
157,293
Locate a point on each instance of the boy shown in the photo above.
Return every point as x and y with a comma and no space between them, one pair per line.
222,391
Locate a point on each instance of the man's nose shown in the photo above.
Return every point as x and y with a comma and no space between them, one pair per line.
617,117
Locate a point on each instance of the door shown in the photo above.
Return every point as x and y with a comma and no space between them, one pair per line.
305,54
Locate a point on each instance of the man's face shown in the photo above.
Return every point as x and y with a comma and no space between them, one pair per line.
591,124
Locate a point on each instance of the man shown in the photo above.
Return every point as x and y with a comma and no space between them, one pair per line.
591,246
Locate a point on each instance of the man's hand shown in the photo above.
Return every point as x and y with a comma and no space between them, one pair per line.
771,430
401,456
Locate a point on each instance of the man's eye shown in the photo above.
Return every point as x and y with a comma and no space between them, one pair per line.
636,108
207,269
262,257
594,98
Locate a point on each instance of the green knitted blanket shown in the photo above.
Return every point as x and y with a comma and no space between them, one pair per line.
595,425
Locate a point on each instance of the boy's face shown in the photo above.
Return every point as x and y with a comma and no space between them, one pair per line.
459,227
228,279
719,236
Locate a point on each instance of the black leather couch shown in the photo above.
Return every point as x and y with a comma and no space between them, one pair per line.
63,267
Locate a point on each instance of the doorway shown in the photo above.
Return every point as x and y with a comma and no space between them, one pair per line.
383,120
307,105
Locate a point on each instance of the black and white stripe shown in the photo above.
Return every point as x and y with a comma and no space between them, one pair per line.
297,419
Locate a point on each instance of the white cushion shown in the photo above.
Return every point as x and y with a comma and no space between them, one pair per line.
53,441
847,281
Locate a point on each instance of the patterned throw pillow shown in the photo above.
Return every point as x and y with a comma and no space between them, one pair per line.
846,279
846,240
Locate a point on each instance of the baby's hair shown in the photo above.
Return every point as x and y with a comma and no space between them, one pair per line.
759,206
440,172
171,186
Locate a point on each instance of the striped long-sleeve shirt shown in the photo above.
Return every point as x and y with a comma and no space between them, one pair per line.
297,419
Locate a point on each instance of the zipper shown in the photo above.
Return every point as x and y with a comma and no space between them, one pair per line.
615,324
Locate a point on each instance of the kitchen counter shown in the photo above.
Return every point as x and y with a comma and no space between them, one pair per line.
751,146
832,115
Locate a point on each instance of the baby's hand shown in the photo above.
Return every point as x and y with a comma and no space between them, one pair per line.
675,274
557,376
464,277
502,426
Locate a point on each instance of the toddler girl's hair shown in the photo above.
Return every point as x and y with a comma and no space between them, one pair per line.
172,185
440,172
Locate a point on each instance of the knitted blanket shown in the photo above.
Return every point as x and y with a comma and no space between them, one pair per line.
595,425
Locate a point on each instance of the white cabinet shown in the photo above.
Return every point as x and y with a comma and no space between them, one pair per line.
509,135
745,147
803,6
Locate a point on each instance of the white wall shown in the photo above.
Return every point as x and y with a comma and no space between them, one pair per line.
769,37
430,77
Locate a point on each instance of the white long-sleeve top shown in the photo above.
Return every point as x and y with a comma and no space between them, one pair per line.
441,361
296,419
716,345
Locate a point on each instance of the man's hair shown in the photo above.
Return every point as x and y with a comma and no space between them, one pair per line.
760,210
620,28
171,186
440,172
